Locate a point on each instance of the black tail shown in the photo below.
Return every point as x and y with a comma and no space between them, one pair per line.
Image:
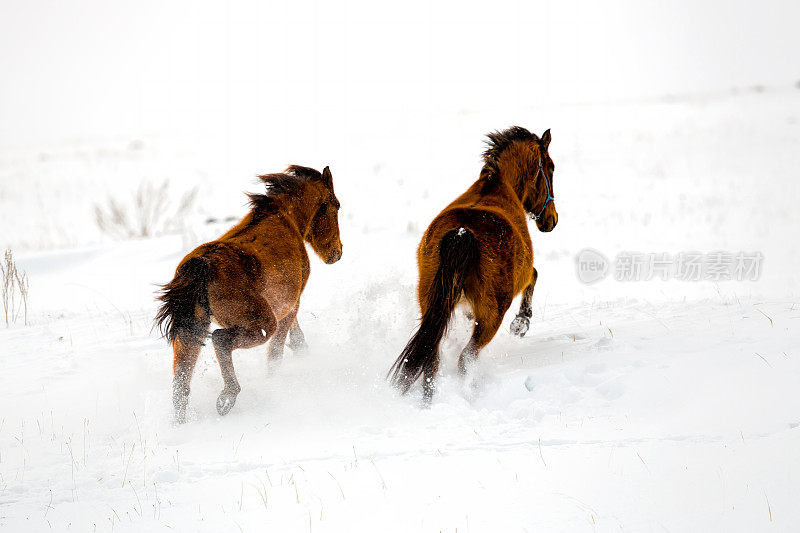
458,255
177,318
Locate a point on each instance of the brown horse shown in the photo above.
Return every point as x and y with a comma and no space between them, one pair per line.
249,281
478,248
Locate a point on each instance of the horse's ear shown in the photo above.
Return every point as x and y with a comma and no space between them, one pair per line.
327,178
546,139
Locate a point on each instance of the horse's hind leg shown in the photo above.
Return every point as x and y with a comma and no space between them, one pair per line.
226,340
429,381
487,321
185,357
521,323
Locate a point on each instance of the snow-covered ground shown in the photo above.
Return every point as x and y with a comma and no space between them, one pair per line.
631,406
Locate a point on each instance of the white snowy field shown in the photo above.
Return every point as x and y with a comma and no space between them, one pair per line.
630,406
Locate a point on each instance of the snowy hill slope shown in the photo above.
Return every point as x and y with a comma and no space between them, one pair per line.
629,406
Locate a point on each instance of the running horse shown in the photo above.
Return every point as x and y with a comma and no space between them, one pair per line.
249,281
478,249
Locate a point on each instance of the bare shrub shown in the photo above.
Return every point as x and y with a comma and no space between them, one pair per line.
114,220
7,271
13,281
150,204
150,213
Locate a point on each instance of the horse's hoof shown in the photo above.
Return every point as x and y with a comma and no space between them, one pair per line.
299,348
426,401
274,364
225,403
520,325
428,390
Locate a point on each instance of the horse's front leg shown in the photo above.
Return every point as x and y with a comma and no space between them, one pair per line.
297,340
521,323
278,340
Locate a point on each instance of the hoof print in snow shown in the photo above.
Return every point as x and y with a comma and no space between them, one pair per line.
225,403
520,325
530,383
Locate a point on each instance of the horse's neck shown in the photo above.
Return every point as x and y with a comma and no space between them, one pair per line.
510,179
489,190
300,211
513,174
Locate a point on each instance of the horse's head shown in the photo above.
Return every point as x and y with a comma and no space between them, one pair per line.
539,195
522,160
530,161
323,235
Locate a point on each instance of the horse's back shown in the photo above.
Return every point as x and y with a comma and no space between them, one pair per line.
270,264
225,259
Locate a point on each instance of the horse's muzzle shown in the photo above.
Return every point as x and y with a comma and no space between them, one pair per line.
547,222
335,256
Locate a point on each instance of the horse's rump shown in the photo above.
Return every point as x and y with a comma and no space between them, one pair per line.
185,309
458,255
501,247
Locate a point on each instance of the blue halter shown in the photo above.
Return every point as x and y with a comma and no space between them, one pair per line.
550,197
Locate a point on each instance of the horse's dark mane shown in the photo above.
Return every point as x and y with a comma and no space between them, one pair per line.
498,141
279,186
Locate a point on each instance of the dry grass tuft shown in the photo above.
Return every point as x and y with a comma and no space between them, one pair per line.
13,282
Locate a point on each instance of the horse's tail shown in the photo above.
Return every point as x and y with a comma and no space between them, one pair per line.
458,255
177,318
